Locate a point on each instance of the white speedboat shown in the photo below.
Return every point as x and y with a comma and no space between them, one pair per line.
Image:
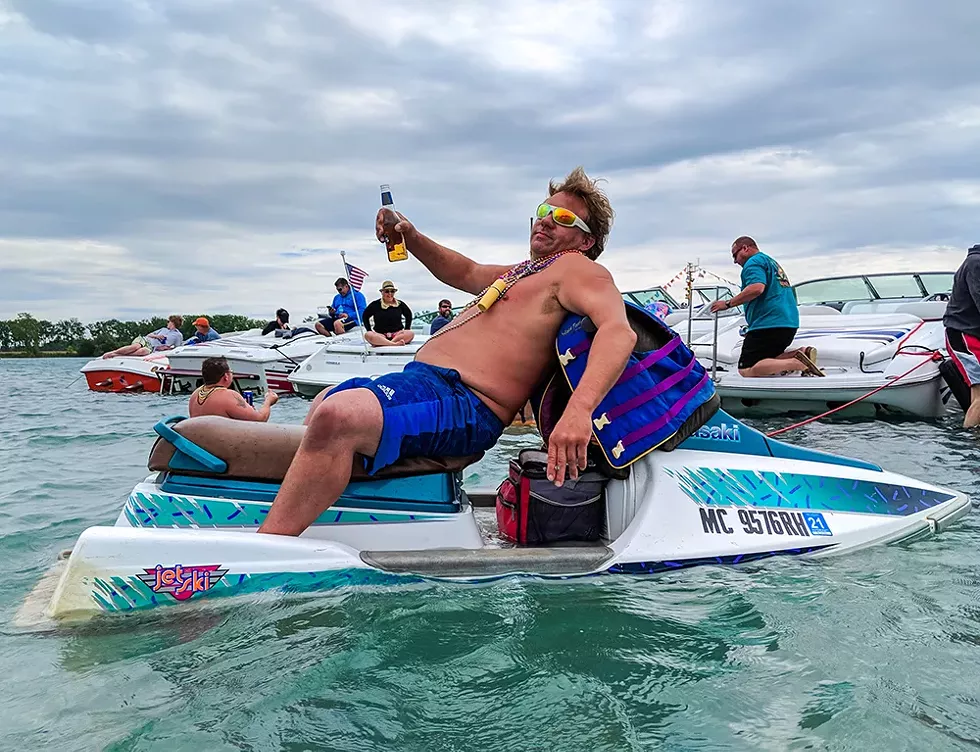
258,362
728,495
342,358
859,353
126,373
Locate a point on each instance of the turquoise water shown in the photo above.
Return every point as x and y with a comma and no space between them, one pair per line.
875,650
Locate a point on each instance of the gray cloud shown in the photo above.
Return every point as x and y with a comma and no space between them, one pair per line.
202,145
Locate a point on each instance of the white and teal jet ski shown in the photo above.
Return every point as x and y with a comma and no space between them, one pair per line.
727,495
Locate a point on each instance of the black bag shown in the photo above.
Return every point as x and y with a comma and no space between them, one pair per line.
532,509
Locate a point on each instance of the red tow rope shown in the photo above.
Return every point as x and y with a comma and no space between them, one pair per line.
933,355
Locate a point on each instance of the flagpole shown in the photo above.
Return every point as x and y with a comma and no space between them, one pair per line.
357,314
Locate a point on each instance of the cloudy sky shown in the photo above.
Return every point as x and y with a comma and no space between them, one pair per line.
188,155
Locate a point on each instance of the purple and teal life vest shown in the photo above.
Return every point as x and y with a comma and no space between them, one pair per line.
663,395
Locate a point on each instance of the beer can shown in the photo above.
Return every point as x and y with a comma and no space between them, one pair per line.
249,397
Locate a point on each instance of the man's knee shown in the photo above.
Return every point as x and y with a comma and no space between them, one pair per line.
347,417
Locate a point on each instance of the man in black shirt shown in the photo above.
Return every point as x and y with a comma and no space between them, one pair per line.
962,322
388,321
281,322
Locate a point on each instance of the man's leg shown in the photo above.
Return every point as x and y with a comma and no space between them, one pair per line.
315,404
321,329
349,422
772,367
125,350
338,326
972,418
378,340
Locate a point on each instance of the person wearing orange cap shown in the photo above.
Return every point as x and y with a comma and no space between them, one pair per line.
204,332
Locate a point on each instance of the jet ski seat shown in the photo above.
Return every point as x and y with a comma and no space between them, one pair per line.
209,446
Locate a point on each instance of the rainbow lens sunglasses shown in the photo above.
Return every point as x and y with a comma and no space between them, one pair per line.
562,217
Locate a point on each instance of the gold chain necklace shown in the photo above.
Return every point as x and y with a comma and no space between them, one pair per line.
206,391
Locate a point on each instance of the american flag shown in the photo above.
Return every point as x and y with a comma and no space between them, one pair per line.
355,275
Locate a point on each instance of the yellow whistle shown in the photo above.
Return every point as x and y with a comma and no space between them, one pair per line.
491,296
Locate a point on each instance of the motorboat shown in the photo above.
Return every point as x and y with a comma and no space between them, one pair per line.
258,362
854,293
344,357
728,495
892,356
126,373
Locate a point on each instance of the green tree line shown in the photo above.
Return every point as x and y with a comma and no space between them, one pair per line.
33,337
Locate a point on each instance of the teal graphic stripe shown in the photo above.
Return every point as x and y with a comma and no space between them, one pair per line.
754,488
167,510
116,594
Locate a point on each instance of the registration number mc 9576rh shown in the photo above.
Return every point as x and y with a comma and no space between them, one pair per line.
716,521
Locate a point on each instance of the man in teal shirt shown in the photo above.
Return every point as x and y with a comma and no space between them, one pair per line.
771,314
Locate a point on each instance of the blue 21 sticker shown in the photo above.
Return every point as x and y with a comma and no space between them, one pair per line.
816,523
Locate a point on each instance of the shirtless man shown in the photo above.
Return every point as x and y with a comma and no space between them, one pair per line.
469,380
215,398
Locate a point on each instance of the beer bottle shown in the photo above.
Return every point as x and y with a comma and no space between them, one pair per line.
394,241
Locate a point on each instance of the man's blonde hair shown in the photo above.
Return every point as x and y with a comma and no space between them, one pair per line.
600,210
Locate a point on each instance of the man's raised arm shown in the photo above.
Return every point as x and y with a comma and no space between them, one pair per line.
589,290
448,266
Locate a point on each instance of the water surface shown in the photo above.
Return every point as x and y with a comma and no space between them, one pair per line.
874,650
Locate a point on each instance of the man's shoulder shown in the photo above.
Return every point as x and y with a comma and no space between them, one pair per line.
579,263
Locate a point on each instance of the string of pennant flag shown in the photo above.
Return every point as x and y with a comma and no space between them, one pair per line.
698,275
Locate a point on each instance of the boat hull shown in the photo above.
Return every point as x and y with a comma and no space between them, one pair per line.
124,374
922,398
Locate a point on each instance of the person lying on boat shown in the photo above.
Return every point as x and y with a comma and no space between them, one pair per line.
388,321
216,398
469,380
444,317
281,322
165,338
962,322
204,332
771,314
348,309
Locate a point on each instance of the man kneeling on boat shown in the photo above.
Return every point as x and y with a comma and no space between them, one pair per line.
771,314
215,397
470,379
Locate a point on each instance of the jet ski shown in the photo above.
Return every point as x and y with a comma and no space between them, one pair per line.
727,495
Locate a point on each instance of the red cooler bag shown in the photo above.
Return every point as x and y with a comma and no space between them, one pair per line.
532,509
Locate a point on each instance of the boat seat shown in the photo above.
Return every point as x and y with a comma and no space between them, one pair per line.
264,451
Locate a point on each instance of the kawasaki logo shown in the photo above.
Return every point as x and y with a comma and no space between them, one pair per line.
723,432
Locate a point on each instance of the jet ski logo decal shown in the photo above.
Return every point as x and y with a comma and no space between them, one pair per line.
181,581
723,432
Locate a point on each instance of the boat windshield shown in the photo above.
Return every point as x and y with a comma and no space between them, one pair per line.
937,282
833,290
895,285
702,295
643,298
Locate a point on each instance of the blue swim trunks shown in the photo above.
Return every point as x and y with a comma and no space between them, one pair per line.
428,412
